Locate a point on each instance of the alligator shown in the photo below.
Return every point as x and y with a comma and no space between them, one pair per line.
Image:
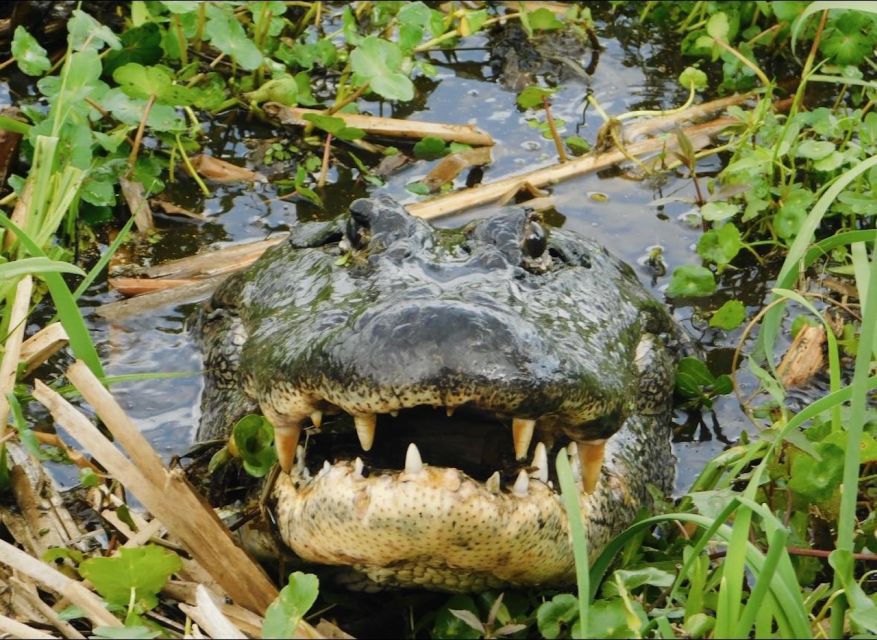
421,383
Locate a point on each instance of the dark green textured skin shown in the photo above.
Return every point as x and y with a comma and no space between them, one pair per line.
422,312
417,315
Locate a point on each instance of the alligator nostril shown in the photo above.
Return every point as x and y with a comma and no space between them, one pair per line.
535,240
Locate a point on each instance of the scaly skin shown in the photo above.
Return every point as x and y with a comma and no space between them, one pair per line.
494,317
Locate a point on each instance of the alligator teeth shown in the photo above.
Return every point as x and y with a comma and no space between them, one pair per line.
540,461
450,410
365,429
326,468
591,455
493,484
286,442
358,467
522,483
522,434
395,414
413,462
572,451
317,418
300,468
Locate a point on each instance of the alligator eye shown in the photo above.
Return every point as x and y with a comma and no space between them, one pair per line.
535,240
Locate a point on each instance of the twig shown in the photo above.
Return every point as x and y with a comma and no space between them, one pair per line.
389,127
552,126
822,553
324,168
489,192
12,352
138,137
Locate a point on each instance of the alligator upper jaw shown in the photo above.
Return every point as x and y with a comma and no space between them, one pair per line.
586,456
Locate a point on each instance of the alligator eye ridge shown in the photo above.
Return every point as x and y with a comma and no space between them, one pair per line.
357,234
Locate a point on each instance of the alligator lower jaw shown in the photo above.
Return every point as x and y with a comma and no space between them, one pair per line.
429,526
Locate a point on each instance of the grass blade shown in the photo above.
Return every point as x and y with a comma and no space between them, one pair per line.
570,494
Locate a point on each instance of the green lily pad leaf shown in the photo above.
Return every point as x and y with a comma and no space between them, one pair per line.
557,615
448,625
817,480
691,281
698,625
86,32
142,82
145,570
254,438
720,245
140,44
336,126
719,211
543,19
472,21
378,62
210,92
283,89
850,39
393,86
101,193
127,110
577,145
418,188
814,149
295,599
729,315
29,55
180,6
635,578
226,34
531,97
430,148
691,376
692,77
717,26
867,445
830,162
796,202
608,619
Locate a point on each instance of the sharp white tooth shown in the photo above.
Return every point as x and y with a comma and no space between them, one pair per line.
300,467
450,410
365,429
317,418
286,443
413,461
540,461
326,468
522,434
395,414
357,467
522,483
493,483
